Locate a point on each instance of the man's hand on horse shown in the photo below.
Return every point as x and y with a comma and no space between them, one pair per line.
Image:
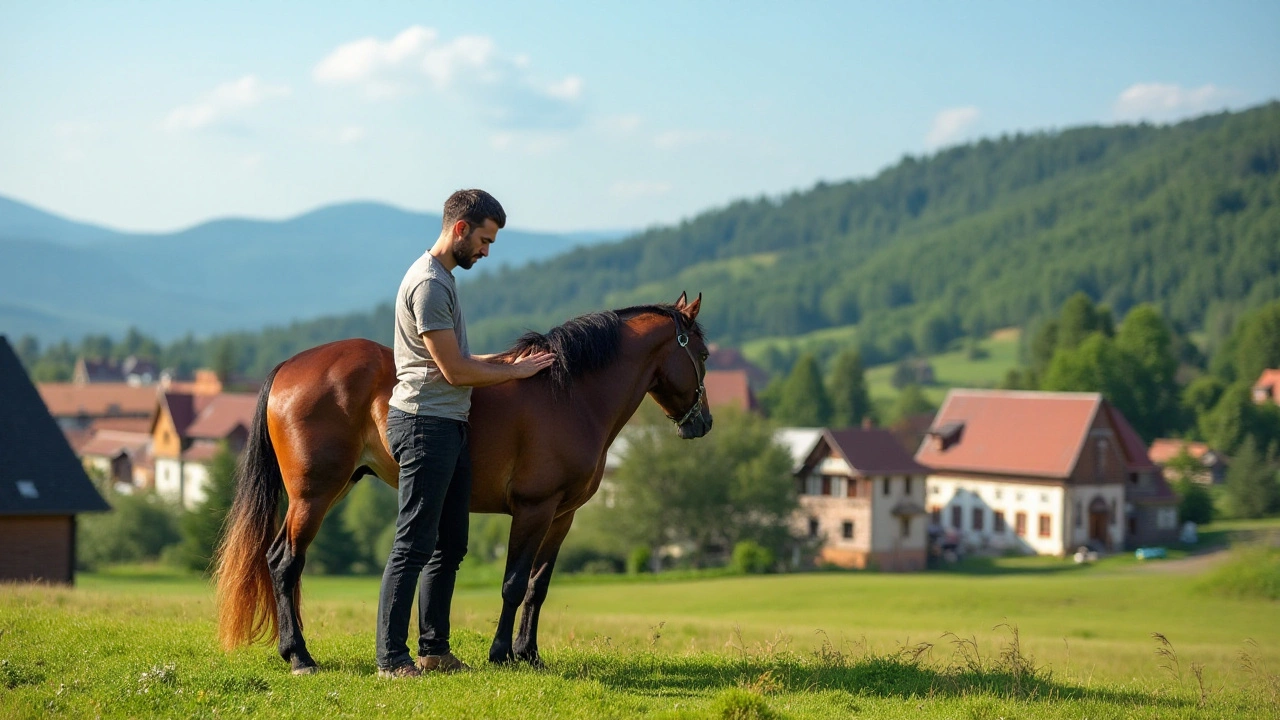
532,363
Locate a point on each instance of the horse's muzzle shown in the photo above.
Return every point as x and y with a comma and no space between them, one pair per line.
695,427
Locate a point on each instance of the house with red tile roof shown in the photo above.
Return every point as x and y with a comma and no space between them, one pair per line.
1043,472
730,388
187,432
862,501
77,406
1212,464
1267,387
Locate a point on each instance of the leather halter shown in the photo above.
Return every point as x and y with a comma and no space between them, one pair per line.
682,338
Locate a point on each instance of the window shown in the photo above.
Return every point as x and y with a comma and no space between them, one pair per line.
935,490
1046,525
813,485
905,523
27,489
997,521
1044,497
908,490
813,527
936,512
956,516
826,484
1020,524
846,530
1167,518
1103,448
886,486
839,487
999,493
1079,515
979,518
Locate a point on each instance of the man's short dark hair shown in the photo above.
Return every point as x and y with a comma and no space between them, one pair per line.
473,207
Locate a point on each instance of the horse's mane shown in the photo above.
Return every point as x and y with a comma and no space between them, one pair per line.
586,343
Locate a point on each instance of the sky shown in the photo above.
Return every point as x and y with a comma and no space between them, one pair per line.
149,116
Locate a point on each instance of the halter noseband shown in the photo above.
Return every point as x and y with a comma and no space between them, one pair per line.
682,338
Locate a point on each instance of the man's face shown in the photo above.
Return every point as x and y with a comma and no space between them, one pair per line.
474,244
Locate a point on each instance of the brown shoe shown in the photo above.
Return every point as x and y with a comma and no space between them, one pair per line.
446,663
406,670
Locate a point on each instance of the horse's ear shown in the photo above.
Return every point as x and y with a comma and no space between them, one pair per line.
682,301
691,309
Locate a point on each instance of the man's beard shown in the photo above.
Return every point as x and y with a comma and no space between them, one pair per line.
463,259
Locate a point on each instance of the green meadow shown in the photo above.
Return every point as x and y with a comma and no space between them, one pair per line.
1011,638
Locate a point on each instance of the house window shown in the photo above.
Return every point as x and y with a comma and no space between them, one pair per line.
1103,447
979,518
886,486
956,516
1044,497
999,493
1167,518
1046,525
936,512
1079,515
826,484
935,490
813,485
997,521
813,527
846,530
839,487
1020,524
905,523
908,490
1112,510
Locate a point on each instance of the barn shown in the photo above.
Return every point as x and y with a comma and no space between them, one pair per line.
42,484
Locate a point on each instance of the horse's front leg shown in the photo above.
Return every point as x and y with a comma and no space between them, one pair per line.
529,526
544,562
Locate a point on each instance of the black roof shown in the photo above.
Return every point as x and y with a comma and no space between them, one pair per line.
39,473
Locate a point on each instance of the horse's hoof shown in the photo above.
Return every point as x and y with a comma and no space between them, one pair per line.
306,670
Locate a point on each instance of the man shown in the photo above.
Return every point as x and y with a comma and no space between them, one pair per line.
427,433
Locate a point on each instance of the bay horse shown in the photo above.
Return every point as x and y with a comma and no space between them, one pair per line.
537,450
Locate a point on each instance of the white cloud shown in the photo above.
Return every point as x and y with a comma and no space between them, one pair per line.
951,125
527,143
223,102
635,189
1158,101
469,70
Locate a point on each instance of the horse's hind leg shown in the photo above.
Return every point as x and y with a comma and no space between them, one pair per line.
286,557
526,646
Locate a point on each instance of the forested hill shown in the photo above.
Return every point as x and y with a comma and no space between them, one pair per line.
974,238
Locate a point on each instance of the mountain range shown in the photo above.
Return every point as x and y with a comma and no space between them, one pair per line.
63,279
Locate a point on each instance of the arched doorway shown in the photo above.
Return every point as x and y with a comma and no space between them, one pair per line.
1099,519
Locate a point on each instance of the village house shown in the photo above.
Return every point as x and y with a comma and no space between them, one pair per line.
81,407
131,371
187,432
1043,472
1212,468
862,501
42,484
1267,387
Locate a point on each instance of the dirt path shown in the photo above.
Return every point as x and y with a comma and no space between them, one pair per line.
1192,565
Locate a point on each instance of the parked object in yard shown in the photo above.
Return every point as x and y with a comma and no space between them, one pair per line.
1085,555
1150,553
1188,536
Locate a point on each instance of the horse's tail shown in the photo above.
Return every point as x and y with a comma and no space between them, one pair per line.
246,600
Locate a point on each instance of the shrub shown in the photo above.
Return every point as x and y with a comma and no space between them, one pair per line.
740,704
137,529
639,559
751,557
1252,571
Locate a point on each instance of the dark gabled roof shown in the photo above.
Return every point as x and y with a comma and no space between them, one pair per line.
39,474
869,451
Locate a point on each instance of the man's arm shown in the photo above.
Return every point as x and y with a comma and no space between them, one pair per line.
460,370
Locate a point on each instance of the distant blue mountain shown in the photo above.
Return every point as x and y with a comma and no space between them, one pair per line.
61,278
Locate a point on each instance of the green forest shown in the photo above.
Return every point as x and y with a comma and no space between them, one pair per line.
992,234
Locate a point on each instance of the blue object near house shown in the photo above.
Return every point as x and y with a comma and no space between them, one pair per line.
1150,553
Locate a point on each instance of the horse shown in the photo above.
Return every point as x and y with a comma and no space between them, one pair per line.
538,450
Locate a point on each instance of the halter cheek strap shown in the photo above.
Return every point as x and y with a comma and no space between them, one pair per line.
682,339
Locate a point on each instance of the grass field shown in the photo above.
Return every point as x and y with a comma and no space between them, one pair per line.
954,369
1024,638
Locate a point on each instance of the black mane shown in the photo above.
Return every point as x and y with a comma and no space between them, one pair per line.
586,343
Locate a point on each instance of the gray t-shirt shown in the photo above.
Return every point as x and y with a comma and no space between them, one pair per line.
427,300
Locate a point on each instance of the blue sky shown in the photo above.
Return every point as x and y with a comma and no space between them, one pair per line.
156,116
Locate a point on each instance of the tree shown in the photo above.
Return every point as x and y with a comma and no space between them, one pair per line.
911,401
734,484
1149,370
1252,486
370,509
850,400
1195,504
1200,395
224,359
1236,417
803,398
201,527
1258,342
1079,319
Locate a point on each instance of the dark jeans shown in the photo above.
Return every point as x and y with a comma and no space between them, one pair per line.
431,533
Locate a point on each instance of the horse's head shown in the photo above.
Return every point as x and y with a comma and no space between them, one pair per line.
679,385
